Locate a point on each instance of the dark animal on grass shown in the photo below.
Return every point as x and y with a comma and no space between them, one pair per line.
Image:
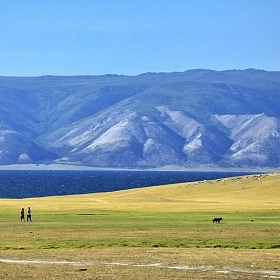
217,220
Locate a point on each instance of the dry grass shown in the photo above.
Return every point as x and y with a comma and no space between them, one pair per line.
143,264
175,214
249,193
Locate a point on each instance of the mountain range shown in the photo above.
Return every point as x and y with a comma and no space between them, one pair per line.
185,119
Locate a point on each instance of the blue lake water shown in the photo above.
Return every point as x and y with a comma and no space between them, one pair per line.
39,183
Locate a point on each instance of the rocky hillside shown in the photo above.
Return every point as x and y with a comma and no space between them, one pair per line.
189,119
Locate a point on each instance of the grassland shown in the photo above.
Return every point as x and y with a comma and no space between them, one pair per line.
162,232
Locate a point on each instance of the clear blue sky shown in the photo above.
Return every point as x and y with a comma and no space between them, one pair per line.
93,37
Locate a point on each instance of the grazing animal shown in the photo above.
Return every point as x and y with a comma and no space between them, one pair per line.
217,220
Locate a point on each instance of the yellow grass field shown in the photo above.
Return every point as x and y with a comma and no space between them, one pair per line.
162,232
249,193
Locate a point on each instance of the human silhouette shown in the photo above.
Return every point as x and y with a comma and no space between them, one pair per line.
28,216
22,214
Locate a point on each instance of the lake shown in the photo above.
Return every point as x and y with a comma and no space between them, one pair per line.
40,183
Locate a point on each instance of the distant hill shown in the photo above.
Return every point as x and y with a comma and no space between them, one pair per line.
185,119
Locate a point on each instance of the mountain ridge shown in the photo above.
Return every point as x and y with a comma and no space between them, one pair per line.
197,117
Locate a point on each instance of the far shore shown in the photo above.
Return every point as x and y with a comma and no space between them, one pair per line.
55,166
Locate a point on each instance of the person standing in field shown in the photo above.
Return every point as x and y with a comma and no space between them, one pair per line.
28,216
22,214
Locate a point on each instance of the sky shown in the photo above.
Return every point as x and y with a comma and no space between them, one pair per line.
130,37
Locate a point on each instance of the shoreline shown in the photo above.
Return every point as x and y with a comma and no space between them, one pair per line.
65,167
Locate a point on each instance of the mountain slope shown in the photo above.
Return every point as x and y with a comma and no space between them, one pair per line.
191,118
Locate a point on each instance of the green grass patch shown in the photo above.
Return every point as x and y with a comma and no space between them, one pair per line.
174,216
61,230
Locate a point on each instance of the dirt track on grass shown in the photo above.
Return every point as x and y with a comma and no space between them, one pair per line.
275,274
